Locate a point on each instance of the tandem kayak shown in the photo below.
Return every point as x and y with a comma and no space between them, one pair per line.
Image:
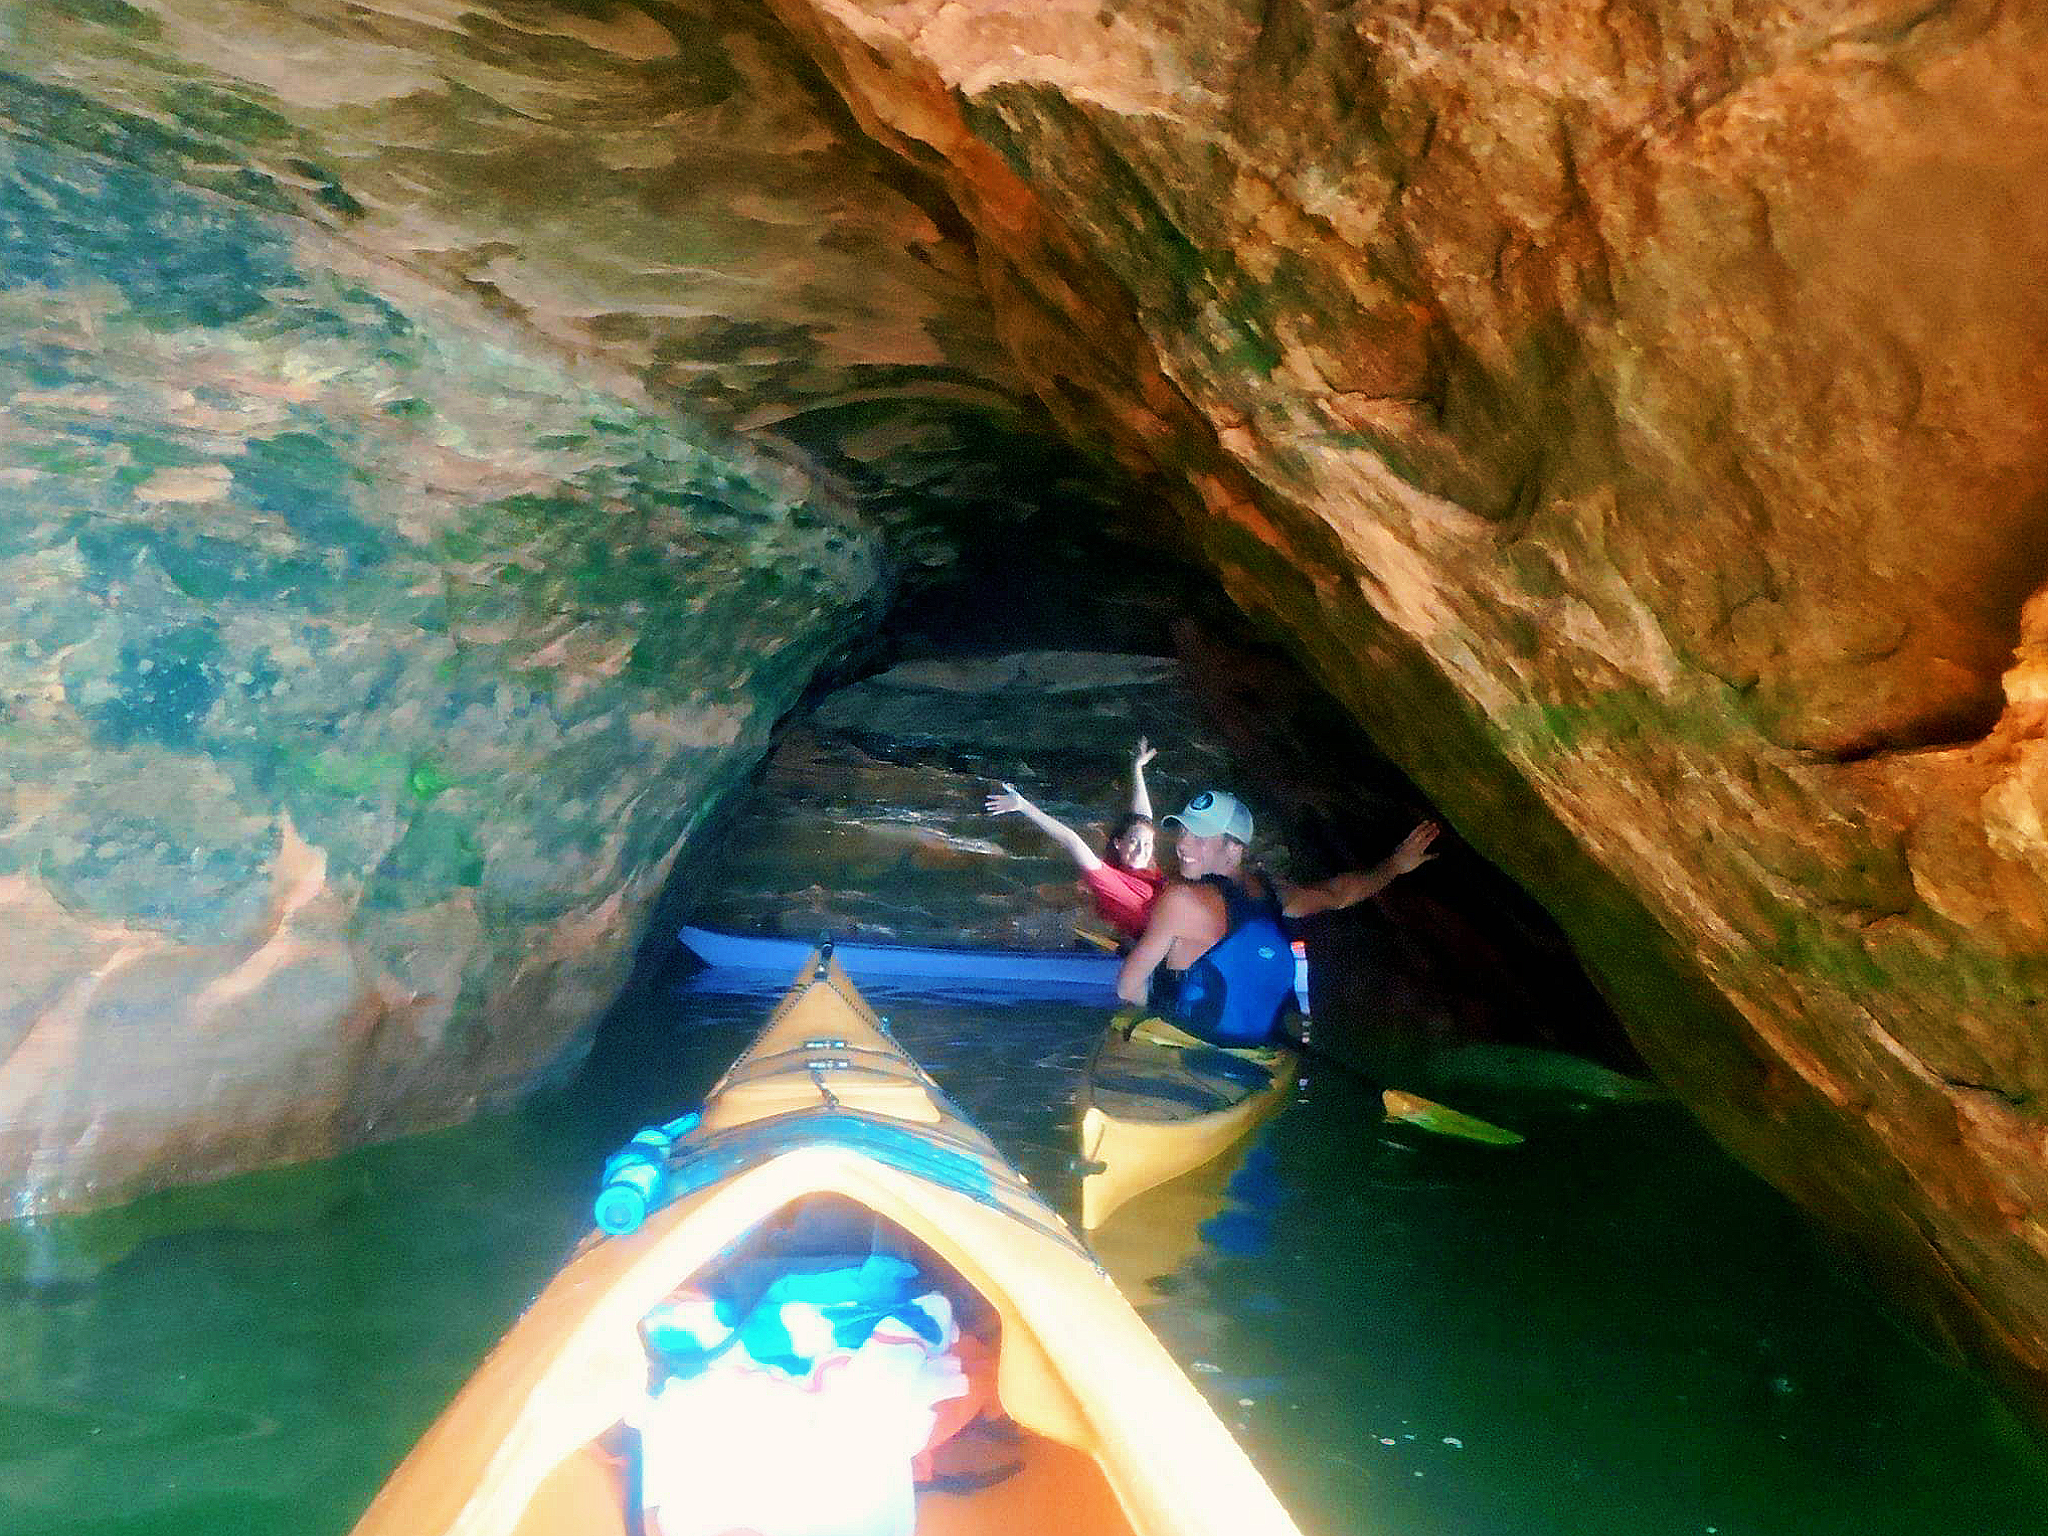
1158,1102
1085,974
942,1356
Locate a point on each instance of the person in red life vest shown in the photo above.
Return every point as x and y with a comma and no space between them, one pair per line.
1122,881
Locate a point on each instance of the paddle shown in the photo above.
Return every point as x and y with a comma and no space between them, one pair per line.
1211,1062
1432,1116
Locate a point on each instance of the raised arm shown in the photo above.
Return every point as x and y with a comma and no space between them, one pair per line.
1354,886
1076,845
1141,798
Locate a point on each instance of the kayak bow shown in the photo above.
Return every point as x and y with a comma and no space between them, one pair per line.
1095,1430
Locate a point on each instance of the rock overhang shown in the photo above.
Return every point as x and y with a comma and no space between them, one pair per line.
1572,390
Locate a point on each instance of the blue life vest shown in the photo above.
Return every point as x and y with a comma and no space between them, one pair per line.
1233,994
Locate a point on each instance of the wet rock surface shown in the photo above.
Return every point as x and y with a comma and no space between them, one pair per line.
440,444
360,680
868,821
1635,423
666,193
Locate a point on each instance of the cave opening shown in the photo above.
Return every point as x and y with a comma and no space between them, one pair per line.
1037,655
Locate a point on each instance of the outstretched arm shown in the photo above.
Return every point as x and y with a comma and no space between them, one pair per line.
1354,886
1141,798
1076,846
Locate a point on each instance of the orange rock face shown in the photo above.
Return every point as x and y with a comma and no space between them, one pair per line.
1634,414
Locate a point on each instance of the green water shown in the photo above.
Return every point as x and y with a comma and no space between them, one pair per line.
1610,1329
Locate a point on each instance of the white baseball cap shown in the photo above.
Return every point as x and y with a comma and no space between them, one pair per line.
1214,811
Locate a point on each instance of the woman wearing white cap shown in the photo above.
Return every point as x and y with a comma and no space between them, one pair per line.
1228,965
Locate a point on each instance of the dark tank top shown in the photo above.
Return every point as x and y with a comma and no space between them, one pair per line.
1234,994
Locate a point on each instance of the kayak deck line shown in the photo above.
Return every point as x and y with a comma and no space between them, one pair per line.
1003,1189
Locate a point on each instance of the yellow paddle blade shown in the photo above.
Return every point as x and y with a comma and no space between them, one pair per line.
1432,1116
1102,941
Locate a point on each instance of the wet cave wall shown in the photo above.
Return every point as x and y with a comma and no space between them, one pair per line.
1631,416
362,679
437,449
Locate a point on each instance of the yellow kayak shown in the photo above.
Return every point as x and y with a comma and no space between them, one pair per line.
1159,1102
1080,1422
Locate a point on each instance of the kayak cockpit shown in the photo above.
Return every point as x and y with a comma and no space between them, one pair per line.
828,1374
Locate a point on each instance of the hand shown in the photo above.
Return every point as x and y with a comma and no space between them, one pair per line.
1413,850
1008,800
1144,753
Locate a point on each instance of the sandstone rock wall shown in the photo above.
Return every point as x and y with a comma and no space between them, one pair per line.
380,622
360,679
1634,415
665,190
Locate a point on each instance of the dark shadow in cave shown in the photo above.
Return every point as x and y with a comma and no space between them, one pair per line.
1453,954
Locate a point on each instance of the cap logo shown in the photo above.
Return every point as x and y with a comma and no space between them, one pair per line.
1202,802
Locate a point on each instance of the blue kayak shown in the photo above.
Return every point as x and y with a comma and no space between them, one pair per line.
1062,971
1087,974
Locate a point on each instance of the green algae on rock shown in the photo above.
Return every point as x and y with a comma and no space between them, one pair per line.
345,747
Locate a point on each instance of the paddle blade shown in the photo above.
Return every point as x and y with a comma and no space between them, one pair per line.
1432,1116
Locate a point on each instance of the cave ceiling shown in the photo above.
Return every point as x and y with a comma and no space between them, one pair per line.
669,195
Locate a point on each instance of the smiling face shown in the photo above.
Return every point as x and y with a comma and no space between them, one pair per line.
1133,846
1214,854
